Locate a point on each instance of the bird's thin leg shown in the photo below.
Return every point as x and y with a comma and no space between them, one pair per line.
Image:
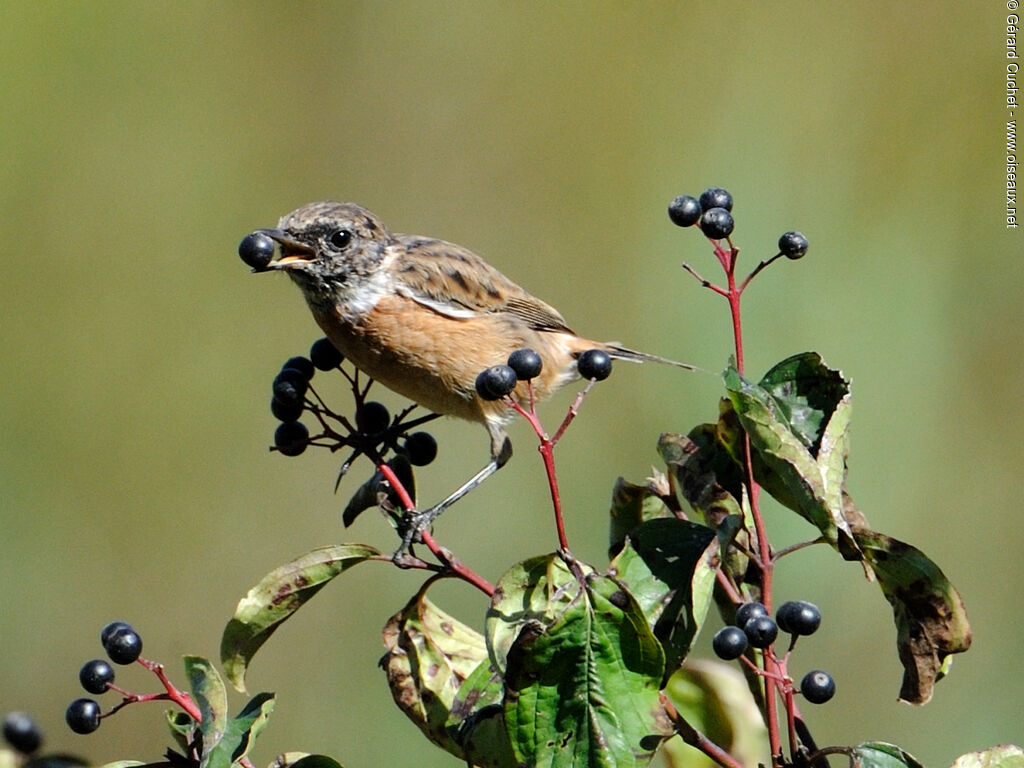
415,522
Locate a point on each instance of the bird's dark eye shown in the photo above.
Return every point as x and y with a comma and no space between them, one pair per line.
340,238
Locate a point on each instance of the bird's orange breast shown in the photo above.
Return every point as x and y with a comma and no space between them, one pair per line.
434,359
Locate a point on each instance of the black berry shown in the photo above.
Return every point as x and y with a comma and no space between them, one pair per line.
123,644
421,448
83,716
793,245
715,197
290,386
22,733
372,417
256,250
761,631
110,629
684,211
526,363
748,611
716,223
291,438
595,364
729,643
286,411
817,686
495,382
798,617
301,364
325,355
96,676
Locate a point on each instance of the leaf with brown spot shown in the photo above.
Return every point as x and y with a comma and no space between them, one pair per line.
931,621
429,655
276,597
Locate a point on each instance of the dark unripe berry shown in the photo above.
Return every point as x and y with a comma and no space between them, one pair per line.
123,645
595,364
793,245
301,364
748,611
421,448
22,733
495,382
372,417
286,411
291,438
290,387
83,716
96,676
729,643
256,250
526,363
324,355
684,211
716,223
761,631
798,617
715,197
817,686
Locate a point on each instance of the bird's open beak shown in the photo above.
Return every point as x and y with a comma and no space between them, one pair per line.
292,251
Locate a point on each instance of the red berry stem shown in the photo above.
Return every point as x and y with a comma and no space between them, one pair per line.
451,563
547,452
180,698
772,673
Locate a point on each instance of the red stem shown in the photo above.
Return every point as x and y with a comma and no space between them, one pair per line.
466,574
547,452
771,668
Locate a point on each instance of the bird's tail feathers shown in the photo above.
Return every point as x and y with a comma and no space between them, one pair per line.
634,356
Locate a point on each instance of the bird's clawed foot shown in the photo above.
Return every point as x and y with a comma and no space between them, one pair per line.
411,528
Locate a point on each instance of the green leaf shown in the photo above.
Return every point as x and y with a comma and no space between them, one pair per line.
115,764
806,393
707,475
211,697
878,754
668,566
709,478
581,684
240,732
477,720
631,505
276,597
813,489
527,594
931,621
1004,756
181,726
429,655
715,698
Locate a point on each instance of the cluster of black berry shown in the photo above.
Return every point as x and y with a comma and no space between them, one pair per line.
525,364
754,628
123,646
374,431
712,212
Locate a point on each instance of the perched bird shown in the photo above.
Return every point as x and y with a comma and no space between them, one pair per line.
424,317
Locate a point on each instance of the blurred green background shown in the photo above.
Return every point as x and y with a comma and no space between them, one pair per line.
139,142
